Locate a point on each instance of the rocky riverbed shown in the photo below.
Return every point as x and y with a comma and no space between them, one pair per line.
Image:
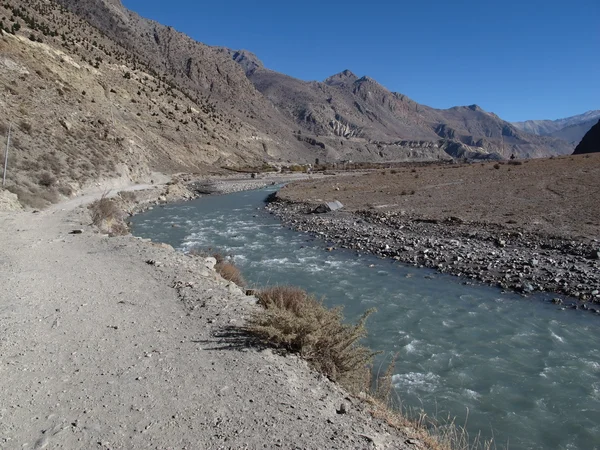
512,257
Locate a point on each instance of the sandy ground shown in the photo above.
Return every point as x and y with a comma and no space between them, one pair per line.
558,196
115,343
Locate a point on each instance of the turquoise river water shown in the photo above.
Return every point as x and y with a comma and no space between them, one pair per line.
516,369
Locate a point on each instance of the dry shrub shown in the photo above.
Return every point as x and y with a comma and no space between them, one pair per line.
66,190
228,270
25,127
514,162
108,216
46,179
128,196
299,323
51,162
224,266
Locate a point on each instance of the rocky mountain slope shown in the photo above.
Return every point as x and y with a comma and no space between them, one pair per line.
374,123
590,142
350,107
82,106
571,129
94,91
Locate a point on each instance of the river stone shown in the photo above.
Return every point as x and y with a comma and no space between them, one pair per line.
328,207
210,263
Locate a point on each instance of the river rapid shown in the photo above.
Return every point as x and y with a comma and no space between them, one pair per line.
518,370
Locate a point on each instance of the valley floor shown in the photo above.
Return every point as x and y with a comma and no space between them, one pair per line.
530,225
119,343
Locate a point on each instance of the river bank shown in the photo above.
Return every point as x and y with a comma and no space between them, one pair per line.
122,343
525,244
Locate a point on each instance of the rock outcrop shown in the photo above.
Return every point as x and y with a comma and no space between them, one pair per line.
590,142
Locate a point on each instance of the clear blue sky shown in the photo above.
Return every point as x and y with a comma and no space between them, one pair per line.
522,59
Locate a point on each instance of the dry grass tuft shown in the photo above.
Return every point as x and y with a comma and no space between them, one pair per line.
299,323
108,216
230,272
224,267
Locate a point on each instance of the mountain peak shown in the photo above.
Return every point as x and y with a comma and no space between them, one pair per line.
248,60
344,77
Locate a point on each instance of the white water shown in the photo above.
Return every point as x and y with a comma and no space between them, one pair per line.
528,373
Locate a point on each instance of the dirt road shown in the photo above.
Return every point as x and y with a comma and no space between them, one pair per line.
116,343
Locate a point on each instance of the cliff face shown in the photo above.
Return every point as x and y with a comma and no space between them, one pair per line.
590,142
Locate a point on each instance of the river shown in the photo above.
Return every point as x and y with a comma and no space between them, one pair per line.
518,370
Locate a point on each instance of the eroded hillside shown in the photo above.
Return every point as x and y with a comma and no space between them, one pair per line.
81,108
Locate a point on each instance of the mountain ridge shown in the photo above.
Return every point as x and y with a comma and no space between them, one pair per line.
312,114
571,129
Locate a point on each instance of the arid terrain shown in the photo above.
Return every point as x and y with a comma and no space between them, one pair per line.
527,225
116,343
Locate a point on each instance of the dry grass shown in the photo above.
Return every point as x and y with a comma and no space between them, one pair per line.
230,272
128,196
108,216
299,323
224,267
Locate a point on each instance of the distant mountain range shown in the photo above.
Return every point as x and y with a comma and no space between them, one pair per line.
571,129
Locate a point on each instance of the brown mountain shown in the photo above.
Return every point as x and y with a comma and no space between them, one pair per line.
590,142
347,106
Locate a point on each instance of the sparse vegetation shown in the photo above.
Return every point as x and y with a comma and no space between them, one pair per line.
228,270
108,216
46,179
297,322
25,126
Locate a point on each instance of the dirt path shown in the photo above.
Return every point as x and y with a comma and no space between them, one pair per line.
100,349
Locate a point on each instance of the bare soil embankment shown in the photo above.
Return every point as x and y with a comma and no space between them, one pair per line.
528,226
119,343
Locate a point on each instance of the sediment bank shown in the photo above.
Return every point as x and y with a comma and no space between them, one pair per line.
384,218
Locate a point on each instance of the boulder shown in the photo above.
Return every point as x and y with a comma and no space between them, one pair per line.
210,263
328,207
